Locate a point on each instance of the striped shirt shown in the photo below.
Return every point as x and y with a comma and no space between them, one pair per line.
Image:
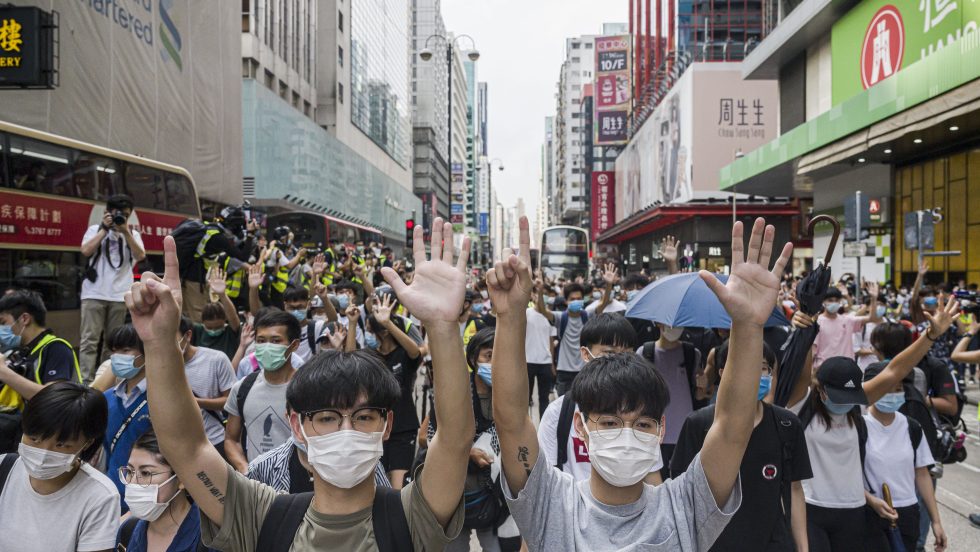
272,468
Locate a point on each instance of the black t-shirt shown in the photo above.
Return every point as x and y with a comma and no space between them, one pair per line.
227,342
939,380
759,523
300,480
405,369
57,361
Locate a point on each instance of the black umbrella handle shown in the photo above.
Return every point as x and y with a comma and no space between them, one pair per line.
833,240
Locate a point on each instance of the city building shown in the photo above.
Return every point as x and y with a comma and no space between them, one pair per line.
549,184
571,202
885,101
349,154
430,111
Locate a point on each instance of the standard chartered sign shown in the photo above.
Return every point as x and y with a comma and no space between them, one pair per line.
136,17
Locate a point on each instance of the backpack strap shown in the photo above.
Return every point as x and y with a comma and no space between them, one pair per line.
125,425
787,438
391,532
311,335
915,435
240,397
254,361
690,366
5,466
650,351
283,520
126,530
862,431
564,429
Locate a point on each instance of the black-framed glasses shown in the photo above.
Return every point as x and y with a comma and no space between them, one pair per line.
143,478
367,420
645,429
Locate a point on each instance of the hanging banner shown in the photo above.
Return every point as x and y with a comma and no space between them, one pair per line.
603,201
612,90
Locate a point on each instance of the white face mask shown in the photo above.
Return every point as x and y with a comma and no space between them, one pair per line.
142,501
45,464
672,334
624,460
320,318
344,458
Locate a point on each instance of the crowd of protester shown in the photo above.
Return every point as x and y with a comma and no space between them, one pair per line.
262,396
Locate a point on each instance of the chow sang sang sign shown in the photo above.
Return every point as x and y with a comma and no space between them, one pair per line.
26,48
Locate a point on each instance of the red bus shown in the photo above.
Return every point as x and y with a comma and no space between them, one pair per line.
315,230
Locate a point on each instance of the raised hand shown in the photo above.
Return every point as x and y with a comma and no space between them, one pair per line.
338,337
248,335
923,266
872,288
611,274
943,318
255,276
217,281
437,291
352,313
509,281
319,289
319,264
382,309
668,249
752,287
154,303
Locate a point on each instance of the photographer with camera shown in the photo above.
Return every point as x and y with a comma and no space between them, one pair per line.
112,249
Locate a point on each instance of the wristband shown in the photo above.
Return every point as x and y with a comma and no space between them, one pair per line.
930,337
968,334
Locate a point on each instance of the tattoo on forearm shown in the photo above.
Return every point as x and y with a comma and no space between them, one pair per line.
210,487
522,454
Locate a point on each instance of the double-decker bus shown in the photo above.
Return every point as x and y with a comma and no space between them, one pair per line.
565,252
52,189
315,230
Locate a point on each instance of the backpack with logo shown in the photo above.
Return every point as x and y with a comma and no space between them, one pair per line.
691,366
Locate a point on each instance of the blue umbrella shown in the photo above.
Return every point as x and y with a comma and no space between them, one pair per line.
684,300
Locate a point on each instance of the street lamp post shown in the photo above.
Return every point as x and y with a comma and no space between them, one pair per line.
500,166
426,55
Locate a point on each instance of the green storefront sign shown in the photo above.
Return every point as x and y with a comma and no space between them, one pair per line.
878,38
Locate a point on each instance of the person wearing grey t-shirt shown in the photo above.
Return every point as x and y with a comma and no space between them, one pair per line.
621,421
569,323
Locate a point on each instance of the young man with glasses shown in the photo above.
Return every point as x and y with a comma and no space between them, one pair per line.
342,405
773,513
622,401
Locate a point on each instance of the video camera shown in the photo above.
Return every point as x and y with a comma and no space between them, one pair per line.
19,361
968,301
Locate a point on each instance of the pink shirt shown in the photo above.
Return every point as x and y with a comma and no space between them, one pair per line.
836,337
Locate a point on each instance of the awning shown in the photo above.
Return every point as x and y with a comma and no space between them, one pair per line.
669,215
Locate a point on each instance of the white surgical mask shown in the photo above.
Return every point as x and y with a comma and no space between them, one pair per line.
45,464
672,334
344,458
142,501
624,460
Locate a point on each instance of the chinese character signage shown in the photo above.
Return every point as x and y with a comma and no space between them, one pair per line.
33,220
878,38
458,197
26,47
603,201
612,90
484,226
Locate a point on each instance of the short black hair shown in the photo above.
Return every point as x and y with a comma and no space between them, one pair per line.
480,340
269,318
148,442
124,337
213,311
636,281
890,339
334,379
833,293
572,288
721,356
20,301
295,294
612,330
623,382
186,324
67,410
119,201
346,284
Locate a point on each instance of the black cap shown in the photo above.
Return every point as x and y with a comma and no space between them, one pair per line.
841,378
876,368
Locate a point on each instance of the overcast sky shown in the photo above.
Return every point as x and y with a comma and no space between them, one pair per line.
521,44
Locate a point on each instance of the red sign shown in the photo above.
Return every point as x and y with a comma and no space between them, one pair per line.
874,206
884,46
603,201
37,220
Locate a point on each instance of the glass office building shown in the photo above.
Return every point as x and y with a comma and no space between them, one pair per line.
380,100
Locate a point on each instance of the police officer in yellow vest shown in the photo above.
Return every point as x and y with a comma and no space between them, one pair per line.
41,356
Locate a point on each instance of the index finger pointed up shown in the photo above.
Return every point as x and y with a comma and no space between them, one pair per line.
171,268
525,239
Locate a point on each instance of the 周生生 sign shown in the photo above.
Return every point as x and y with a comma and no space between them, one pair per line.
26,47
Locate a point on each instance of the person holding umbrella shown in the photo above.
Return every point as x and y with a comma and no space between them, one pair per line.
836,434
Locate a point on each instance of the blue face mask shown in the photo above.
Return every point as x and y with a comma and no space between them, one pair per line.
835,408
299,314
483,370
124,366
576,306
477,308
764,384
930,302
631,294
891,402
8,339
343,301
370,341
881,310
215,333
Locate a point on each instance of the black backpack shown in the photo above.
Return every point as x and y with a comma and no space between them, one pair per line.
247,383
391,530
188,235
690,366
563,325
915,408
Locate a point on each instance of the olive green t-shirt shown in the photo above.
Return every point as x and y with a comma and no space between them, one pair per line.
247,502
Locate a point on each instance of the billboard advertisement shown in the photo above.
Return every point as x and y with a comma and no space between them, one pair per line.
26,47
155,78
603,201
878,38
457,204
702,123
613,92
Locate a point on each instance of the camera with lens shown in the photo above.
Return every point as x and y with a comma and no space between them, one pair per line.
968,301
19,361
118,217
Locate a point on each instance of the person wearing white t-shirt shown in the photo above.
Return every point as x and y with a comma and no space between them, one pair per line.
605,334
606,302
538,347
52,498
891,459
112,249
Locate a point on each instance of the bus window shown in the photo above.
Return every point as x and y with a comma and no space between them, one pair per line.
97,177
335,233
180,195
39,167
53,274
146,186
4,179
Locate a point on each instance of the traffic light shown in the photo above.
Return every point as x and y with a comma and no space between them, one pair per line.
410,232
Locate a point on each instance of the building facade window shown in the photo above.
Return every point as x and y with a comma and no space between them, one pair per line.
340,21
340,55
340,92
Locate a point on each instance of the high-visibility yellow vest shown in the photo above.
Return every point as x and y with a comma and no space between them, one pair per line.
11,400
234,282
